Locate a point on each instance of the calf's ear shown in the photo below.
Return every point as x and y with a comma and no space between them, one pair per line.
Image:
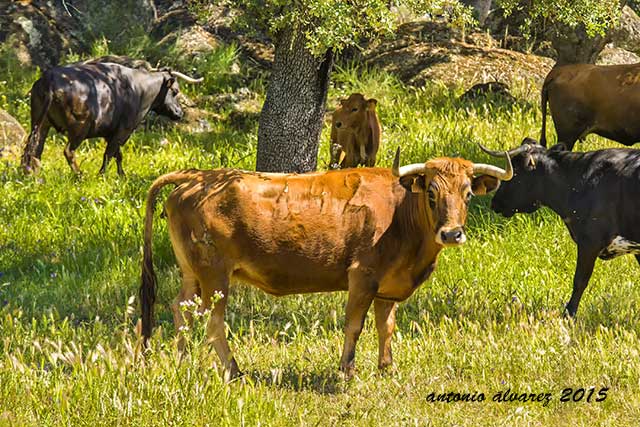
484,184
371,104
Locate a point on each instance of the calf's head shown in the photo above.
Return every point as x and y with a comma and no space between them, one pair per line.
524,191
446,186
352,113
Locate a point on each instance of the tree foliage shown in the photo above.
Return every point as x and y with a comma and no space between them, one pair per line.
336,24
595,16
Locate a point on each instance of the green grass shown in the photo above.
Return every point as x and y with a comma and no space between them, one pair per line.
488,320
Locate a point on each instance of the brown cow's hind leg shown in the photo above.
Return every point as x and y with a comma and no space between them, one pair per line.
385,324
361,294
219,283
190,288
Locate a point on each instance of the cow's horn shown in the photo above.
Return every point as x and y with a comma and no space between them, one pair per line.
502,154
395,169
413,169
501,174
187,78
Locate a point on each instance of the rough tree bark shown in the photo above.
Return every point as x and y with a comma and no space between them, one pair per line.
292,114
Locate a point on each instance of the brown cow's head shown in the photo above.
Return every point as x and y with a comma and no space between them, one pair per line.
351,115
447,185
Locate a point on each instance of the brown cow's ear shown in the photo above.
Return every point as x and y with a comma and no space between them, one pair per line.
371,104
414,183
342,102
484,184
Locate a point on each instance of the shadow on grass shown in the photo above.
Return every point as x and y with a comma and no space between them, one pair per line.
290,377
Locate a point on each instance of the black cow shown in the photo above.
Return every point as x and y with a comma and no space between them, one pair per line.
597,195
97,99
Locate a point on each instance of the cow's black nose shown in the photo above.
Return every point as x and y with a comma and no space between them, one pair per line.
338,124
454,236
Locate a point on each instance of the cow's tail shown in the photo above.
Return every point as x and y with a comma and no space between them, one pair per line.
148,283
32,149
544,98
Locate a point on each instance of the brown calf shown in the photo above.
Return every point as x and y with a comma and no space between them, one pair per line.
355,133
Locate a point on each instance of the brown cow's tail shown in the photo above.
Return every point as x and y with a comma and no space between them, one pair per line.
149,281
544,97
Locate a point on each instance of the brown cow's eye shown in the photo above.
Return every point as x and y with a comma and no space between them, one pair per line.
354,110
432,199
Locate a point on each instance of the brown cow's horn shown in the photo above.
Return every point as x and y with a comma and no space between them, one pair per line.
395,169
501,174
413,169
187,78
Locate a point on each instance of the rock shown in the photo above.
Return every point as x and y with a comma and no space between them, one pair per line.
12,137
190,41
627,34
614,55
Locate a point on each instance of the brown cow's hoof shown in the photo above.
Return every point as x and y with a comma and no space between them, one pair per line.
349,371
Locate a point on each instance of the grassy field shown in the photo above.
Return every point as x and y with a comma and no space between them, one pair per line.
488,321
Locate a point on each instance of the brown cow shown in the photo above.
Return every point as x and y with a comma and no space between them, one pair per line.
600,99
355,133
373,232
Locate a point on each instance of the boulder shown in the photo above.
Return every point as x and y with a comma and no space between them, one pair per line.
12,137
627,34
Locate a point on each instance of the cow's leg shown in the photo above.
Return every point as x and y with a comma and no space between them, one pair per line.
119,161
216,333
587,255
112,148
70,151
362,290
190,288
385,324
363,154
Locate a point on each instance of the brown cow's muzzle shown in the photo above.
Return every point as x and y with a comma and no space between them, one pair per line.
450,237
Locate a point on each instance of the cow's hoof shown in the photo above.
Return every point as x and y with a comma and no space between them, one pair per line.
349,371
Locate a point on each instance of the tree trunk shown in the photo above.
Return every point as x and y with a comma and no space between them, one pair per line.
292,114
480,7
574,46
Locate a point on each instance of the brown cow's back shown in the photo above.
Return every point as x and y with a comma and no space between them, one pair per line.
587,98
318,224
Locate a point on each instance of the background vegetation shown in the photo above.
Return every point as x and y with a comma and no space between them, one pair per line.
488,320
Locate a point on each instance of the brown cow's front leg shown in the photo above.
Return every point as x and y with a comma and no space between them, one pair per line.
361,294
385,324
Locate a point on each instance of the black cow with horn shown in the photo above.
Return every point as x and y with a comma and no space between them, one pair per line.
98,99
597,195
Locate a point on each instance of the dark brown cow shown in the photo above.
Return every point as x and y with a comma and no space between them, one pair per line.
599,99
371,232
355,133
98,99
